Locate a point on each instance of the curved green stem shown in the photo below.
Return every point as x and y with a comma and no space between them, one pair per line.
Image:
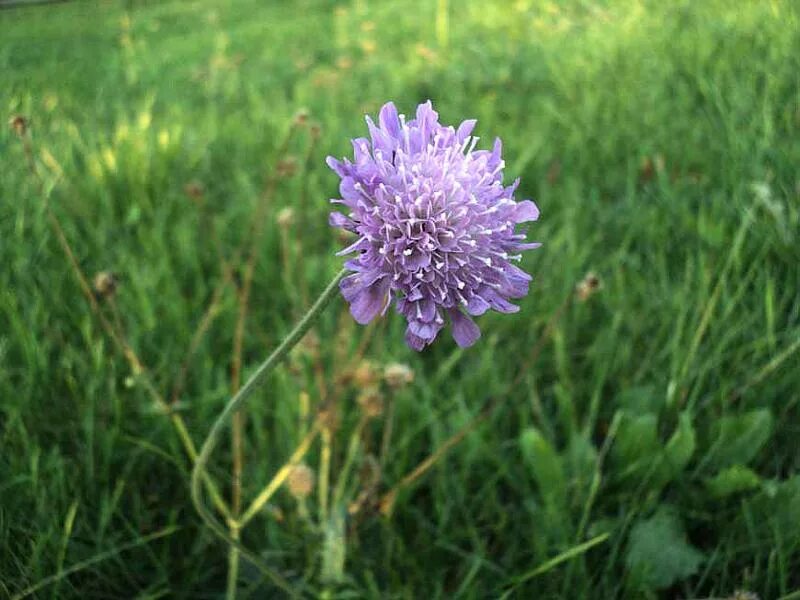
233,405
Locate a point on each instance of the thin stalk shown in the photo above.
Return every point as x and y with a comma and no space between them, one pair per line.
324,474
237,427
388,427
280,476
352,449
233,564
386,502
233,405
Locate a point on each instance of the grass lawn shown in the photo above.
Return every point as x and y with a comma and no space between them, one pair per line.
641,442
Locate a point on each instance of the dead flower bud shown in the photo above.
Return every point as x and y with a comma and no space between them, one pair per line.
370,401
588,286
287,166
19,124
398,375
329,417
301,116
300,481
285,217
105,284
194,190
365,374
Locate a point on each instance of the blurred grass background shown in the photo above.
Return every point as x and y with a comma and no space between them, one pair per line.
660,418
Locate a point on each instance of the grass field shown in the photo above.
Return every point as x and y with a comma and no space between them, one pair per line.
641,442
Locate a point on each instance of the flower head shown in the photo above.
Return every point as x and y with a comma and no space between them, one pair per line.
436,226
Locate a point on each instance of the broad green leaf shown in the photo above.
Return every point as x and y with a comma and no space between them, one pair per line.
680,448
732,480
778,508
737,439
581,458
546,465
636,447
658,553
640,400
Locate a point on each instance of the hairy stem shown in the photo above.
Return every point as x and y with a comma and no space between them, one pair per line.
233,405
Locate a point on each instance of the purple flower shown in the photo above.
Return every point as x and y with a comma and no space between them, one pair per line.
436,227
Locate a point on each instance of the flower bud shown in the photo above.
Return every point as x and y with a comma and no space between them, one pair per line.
287,166
370,401
194,190
19,124
398,375
300,481
365,374
588,286
105,284
301,116
285,217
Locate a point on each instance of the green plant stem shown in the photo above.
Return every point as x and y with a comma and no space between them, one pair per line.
352,450
233,563
258,378
324,475
279,477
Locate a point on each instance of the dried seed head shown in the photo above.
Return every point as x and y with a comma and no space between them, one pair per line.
287,166
194,190
398,375
315,130
301,116
105,284
369,476
370,401
365,374
329,417
285,217
300,481
19,124
588,286
651,166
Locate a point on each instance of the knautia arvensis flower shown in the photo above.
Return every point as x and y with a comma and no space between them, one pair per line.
437,229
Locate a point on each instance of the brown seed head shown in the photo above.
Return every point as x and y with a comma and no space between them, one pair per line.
105,284
315,129
398,375
19,124
329,417
365,374
285,217
287,166
590,284
301,116
300,481
194,190
370,401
